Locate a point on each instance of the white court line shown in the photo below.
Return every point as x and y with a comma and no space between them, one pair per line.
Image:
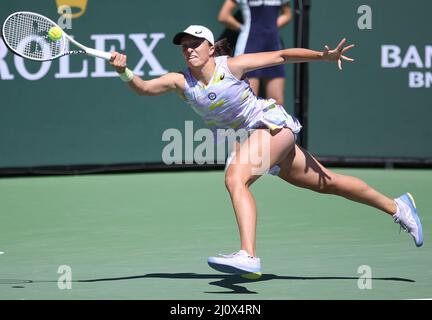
1,252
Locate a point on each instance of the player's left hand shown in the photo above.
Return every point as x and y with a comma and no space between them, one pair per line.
338,53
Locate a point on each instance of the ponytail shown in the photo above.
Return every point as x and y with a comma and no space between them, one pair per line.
222,48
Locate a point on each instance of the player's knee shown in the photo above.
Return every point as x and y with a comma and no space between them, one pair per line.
234,181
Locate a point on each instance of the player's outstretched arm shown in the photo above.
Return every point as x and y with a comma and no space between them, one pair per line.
166,83
244,63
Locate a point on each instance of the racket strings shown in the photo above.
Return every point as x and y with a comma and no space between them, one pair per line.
27,34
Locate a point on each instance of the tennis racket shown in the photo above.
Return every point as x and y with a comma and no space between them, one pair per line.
26,34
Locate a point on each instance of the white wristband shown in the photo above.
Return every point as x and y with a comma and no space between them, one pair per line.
127,75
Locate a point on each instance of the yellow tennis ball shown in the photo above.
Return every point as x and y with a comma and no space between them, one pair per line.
55,33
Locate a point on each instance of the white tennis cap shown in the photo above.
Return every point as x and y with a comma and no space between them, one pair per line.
196,31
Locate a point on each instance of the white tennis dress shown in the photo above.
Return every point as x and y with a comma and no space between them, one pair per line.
229,103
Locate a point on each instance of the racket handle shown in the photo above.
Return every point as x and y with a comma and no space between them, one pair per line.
98,53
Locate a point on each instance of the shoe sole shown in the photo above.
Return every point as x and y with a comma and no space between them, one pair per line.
416,218
252,276
233,270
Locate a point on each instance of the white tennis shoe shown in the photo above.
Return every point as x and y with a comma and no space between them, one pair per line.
240,263
408,219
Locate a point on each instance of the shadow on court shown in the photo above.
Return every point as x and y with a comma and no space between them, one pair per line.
234,283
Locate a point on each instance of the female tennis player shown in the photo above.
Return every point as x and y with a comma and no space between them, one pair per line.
214,85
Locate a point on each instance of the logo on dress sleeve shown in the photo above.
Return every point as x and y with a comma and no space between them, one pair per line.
212,96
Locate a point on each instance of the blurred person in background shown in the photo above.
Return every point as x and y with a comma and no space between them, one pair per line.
259,32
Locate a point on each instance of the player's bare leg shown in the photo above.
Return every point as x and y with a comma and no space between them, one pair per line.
300,168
